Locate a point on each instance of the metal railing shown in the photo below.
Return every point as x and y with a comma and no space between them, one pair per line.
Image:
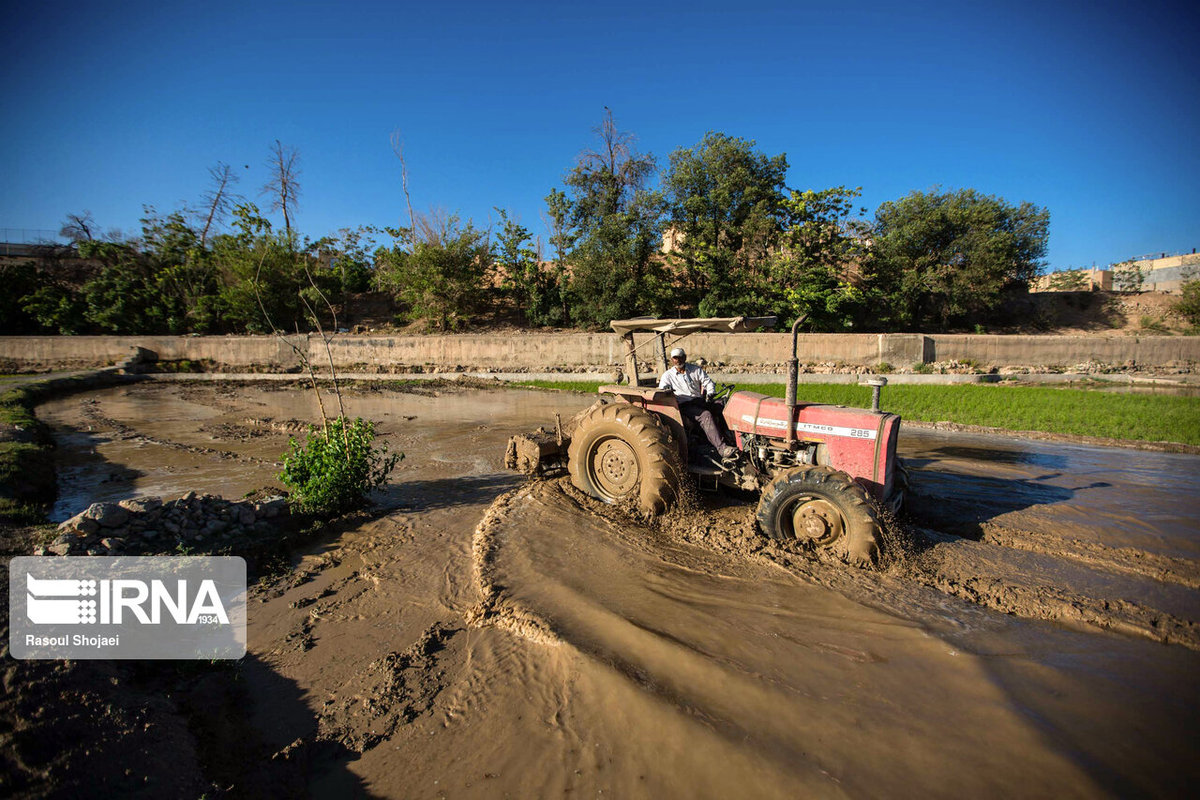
1161,255
28,241
30,236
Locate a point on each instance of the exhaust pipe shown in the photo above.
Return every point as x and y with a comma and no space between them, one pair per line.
877,383
792,378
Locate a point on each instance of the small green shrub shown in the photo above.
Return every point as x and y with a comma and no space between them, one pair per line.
980,329
336,468
1188,304
1153,324
884,368
922,368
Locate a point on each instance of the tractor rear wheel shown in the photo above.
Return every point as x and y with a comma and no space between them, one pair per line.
824,508
621,453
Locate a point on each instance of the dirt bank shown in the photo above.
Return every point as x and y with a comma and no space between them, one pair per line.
479,637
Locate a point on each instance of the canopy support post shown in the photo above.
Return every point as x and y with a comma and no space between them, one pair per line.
631,373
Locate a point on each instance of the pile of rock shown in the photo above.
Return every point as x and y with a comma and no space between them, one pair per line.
192,524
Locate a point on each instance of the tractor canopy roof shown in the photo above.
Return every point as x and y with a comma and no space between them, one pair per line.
682,327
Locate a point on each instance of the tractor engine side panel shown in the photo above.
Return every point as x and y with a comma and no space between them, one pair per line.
859,442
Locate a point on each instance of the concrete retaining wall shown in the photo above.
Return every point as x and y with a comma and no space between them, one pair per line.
585,351
1066,350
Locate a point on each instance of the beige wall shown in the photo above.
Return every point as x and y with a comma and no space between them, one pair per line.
542,351
1066,350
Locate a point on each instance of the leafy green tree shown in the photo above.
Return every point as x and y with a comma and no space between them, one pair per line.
1188,304
123,298
348,258
184,273
1128,276
724,200
20,280
443,276
563,236
534,288
617,222
1068,280
939,258
56,308
822,245
258,271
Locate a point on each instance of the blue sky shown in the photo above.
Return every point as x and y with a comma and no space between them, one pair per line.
1090,109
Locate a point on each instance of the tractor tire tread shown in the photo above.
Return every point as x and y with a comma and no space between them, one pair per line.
660,472
859,543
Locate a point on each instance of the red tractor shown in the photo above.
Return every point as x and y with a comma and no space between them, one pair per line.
822,470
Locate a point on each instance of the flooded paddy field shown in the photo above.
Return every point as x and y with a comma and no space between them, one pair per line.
1032,630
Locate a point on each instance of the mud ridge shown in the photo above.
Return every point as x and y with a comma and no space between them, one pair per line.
495,608
1061,605
1123,560
92,413
255,428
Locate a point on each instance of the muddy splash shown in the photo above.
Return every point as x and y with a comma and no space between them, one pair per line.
479,637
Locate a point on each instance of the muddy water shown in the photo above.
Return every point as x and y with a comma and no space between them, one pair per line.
541,646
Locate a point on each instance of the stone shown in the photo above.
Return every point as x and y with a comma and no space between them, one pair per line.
109,515
271,507
150,533
246,515
141,505
83,525
112,544
171,527
59,548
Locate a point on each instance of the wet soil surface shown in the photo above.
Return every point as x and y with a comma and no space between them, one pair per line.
1031,631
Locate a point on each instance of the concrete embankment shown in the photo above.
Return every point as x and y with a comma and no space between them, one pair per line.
527,352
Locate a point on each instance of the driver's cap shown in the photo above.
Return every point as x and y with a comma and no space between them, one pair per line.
678,353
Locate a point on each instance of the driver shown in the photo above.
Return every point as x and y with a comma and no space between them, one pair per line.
693,389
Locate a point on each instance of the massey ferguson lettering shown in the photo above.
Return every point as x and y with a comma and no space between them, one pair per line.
809,427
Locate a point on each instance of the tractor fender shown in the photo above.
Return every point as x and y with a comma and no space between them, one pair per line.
658,402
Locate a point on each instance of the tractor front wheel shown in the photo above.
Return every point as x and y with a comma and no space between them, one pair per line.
824,508
620,453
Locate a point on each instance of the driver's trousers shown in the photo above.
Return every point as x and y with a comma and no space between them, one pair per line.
698,411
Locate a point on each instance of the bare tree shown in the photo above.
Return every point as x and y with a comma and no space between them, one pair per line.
79,228
219,198
398,149
284,185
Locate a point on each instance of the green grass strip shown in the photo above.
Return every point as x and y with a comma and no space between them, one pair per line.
1115,415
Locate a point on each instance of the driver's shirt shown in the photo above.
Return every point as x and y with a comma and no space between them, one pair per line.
691,384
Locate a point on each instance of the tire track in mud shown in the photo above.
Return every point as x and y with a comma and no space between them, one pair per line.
1125,560
919,569
967,570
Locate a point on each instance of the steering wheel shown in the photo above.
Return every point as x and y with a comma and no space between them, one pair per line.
722,394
